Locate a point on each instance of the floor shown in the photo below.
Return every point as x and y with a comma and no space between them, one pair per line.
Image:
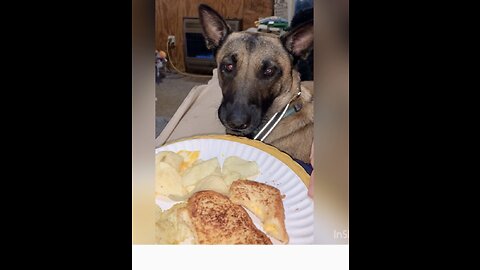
170,93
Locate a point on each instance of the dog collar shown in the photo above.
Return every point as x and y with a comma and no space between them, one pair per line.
273,122
292,110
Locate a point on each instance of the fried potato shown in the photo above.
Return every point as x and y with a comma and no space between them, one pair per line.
170,227
229,177
168,181
181,174
179,198
199,171
173,159
245,168
213,182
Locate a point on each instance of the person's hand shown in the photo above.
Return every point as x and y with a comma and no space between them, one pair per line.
310,186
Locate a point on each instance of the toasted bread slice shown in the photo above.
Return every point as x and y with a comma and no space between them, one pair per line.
216,220
265,202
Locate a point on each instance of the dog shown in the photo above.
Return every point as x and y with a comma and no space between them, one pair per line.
257,78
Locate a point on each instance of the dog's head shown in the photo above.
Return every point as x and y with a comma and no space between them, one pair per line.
253,68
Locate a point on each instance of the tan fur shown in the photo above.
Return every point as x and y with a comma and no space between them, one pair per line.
294,134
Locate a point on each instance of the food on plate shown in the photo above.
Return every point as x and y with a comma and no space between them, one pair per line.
189,158
187,174
265,202
215,219
244,168
229,177
210,215
172,226
213,182
194,174
169,180
172,158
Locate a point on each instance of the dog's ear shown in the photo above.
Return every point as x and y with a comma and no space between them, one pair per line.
214,27
299,40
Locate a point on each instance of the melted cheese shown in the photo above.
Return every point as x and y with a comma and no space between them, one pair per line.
270,228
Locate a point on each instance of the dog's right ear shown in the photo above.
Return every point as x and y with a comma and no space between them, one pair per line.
214,27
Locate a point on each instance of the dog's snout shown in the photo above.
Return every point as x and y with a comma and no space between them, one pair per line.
239,117
238,120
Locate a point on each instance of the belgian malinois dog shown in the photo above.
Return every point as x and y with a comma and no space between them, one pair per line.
256,75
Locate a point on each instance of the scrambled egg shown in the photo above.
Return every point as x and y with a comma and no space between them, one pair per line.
189,157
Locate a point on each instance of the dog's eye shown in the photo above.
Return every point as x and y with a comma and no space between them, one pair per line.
268,72
228,67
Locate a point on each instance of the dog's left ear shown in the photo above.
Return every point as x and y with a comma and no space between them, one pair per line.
299,40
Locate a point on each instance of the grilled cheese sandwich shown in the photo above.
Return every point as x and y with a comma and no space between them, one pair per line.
216,220
265,202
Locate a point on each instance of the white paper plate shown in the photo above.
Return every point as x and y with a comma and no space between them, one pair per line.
276,169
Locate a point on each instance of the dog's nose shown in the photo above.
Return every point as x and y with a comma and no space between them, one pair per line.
239,121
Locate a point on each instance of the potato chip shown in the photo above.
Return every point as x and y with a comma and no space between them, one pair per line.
229,177
213,182
168,181
199,171
173,159
191,174
246,169
179,198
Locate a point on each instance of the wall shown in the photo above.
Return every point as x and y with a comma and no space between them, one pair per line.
169,19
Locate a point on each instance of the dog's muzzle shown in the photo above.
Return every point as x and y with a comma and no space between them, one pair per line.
239,119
